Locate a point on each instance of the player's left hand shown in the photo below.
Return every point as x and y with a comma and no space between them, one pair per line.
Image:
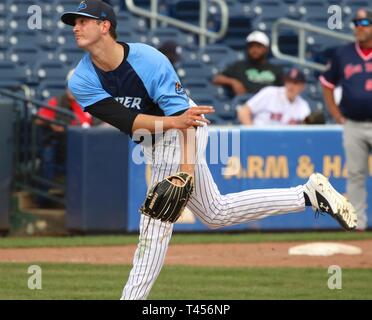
167,198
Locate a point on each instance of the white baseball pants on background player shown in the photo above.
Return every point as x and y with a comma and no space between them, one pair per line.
206,203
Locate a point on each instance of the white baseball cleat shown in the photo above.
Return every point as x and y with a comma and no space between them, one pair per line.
325,198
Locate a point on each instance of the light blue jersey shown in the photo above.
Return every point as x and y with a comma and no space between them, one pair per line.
145,88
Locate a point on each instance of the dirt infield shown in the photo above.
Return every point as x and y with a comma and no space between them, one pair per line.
268,254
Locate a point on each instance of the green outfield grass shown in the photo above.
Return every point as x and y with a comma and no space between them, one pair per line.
82,281
38,242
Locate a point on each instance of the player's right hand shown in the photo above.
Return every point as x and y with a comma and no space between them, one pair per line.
193,117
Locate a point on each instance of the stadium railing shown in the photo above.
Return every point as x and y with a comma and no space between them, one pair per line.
201,30
27,175
303,27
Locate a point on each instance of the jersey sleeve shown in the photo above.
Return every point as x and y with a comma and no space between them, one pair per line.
305,110
332,75
258,102
85,85
159,78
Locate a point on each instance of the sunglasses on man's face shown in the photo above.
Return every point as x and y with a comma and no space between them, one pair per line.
362,22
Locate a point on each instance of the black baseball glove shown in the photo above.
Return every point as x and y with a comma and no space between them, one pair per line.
166,200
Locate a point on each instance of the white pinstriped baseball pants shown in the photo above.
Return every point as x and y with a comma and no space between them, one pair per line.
212,208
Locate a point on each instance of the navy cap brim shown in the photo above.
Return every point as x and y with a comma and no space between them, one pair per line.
70,17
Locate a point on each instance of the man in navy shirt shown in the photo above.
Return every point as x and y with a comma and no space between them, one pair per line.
134,87
351,69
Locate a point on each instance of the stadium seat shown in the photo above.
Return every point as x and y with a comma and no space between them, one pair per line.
315,12
218,56
264,24
20,39
226,111
351,6
18,17
21,2
4,24
48,9
269,8
270,12
293,10
208,100
200,88
128,22
68,55
65,37
189,53
50,24
3,41
184,10
145,4
286,65
3,10
127,36
203,98
214,119
50,70
246,9
335,2
12,74
313,9
24,56
3,54
20,8
46,40
131,29
240,24
318,43
194,70
162,34
48,89
66,5
240,100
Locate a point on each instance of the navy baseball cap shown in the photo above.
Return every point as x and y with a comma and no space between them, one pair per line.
94,9
295,75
